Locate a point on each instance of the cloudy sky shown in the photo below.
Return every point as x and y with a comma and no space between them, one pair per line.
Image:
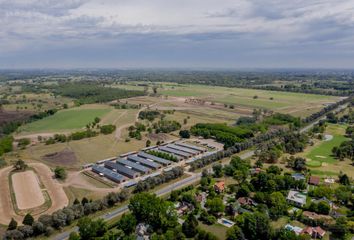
176,33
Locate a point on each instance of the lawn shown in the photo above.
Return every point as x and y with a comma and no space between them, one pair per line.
322,153
69,119
216,229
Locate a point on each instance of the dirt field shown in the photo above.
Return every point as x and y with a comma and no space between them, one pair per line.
54,189
27,190
65,157
9,116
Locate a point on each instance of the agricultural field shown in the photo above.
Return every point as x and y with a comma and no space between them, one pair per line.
297,104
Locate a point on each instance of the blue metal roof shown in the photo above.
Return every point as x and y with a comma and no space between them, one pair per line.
191,146
183,149
175,152
108,173
154,158
135,166
122,169
144,161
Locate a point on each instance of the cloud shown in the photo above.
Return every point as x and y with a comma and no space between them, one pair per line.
247,28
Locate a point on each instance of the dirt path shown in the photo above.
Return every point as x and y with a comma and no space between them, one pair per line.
6,209
75,179
54,188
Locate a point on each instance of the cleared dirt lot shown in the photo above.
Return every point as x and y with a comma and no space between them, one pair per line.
54,188
27,190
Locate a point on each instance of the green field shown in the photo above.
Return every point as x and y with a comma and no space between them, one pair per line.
75,118
298,104
322,153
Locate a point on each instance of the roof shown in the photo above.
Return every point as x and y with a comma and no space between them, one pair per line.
183,149
144,161
121,169
174,151
319,230
191,146
246,201
154,158
295,229
133,165
107,173
307,230
220,185
314,180
298,176
297,197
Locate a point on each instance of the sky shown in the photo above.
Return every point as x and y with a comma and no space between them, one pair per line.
231,34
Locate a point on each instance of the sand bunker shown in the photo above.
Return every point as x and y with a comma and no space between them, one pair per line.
320,156
27,190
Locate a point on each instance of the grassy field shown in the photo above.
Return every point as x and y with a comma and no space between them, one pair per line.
216,229
69,119
322,152
298,104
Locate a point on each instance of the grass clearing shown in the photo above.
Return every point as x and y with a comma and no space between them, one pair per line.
69,119
322,152
216,229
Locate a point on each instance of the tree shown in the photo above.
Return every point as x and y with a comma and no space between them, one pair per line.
74,236
277,205
235,233
28,219
60,173
184,134
215,205
256,226
217,169
323,207
91,229
12,224
154,89
84,201
152,210
189,227
20,165
127,223
344,179
148,143
97,120
76,201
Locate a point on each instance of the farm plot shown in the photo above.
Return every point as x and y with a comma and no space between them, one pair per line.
27,190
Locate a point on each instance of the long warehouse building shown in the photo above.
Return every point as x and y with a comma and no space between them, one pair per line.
115,177
183,149
144,162
159,160
122,169
175,152
134,166
191,146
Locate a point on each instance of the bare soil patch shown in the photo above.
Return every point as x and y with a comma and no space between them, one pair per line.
27,190
157,136
65,157
10,116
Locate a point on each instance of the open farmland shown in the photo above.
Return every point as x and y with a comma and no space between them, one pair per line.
27,190
75,118
298,104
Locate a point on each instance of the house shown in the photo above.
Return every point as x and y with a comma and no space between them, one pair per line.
142,231
183,208
296,198
295,229
219,187
246,201
298,176
314,180
255,171
314,232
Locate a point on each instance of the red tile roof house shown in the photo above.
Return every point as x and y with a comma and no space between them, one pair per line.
314,232
314,180
219,187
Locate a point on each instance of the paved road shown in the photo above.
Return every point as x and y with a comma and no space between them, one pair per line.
184,182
